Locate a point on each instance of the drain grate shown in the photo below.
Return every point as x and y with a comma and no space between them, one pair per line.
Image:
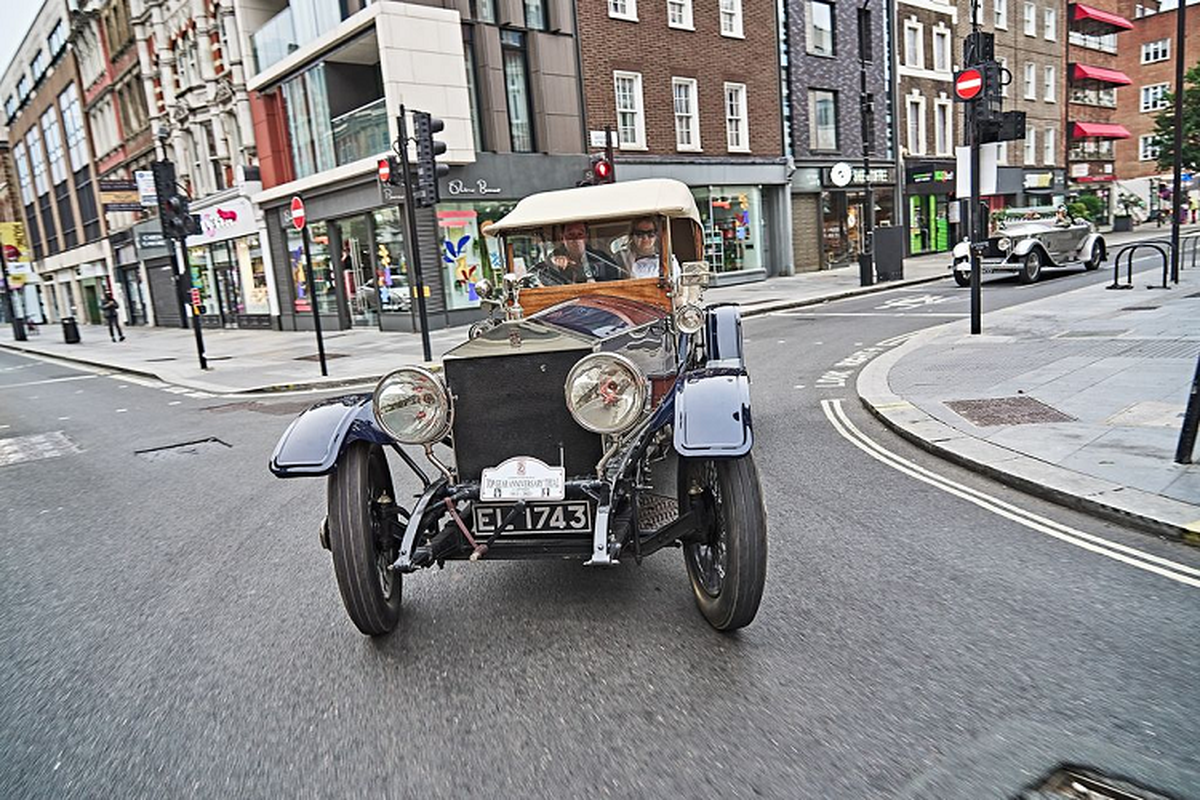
285,409
1079,783
172,452
317,356
989,412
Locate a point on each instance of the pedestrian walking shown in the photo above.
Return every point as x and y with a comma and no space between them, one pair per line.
109,307
1194,207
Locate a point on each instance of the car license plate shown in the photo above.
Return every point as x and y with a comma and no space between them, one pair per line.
523,478
570,517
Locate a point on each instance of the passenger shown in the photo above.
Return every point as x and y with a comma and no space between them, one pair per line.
575,261
641,254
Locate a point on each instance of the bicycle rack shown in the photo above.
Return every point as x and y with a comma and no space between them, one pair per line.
1189,242
1162,248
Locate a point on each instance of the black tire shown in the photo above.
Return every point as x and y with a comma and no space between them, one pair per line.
1031,267
1095,257
962,278
360,540
729,570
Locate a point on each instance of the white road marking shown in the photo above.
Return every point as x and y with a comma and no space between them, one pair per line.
47,380
1181,573
930,314
174,402
122,410
63,419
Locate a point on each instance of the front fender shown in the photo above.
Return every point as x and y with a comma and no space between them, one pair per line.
723,337
712,414
1085,247
312,443
1021,248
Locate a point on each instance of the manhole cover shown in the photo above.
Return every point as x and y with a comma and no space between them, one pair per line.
1078,783
1006,411
317,357
285,409
172,452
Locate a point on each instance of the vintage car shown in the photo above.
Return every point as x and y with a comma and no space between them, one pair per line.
601,420
1026,241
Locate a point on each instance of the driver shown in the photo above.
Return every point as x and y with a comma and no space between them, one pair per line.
574,261
1061,218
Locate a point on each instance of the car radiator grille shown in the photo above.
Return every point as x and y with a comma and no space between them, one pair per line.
507,406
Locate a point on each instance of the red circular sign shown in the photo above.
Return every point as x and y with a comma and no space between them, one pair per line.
385,170
298,218
11,253
968,84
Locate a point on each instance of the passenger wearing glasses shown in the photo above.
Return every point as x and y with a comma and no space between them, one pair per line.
641,253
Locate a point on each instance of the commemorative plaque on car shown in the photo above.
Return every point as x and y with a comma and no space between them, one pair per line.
523,478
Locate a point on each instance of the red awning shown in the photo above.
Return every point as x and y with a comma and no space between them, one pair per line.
1098,130
1095,18
1081,72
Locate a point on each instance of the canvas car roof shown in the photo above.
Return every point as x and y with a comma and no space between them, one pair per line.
609,201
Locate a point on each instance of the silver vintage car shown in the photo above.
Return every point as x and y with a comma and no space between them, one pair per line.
1024,241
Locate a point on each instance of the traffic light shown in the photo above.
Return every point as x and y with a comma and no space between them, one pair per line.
600,170
390,171
428,149
173,213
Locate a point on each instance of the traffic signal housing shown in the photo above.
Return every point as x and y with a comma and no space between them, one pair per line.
176,218
390,171
429,171
600,170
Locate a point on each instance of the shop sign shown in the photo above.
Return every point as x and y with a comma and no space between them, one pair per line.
16,247
150,240
147,194
459,187
225,221
596,138
1039,180
920,175
119,195
1079,170
858,176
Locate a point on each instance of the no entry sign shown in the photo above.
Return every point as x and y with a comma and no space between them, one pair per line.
968,84
298,218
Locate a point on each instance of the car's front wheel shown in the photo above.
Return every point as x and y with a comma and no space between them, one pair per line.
1096,256
727,565
1031,267
962,278
360,538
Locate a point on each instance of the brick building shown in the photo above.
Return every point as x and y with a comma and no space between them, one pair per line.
708,115
1031,42
929,47
822,100
1148,54
1094,82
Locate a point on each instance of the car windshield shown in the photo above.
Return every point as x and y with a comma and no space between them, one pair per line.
582,252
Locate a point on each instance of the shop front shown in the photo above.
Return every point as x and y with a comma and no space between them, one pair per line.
843,211
229,265
154,252
929,200
130,287
1043,187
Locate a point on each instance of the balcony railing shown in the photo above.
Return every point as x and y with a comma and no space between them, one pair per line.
361,133
289,30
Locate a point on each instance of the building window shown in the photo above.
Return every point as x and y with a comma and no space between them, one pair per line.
914,44
1148,148
1152,97
943,130
915,108
1050,84
1050,21
737,126
687,122
308,123
535,15
1002,153
820,28
23,87
623,9
822,120
1030,19
941,50
1049,156
23,178
57,40
1031,82
54,146
731,18
38,65
1001,7
484,10
631,122
1003,66
516,88
1153,52
679,14
1104,98
1030,146
10,107
33,142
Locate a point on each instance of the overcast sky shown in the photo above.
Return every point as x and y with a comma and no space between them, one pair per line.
17,17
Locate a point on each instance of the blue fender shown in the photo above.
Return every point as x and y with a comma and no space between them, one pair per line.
312,443
712,413
723,337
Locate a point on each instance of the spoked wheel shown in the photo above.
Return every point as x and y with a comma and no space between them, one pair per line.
728,567
361,540
1031,267
962,278
1095,258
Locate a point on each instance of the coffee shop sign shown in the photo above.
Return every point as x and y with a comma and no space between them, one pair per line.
459,187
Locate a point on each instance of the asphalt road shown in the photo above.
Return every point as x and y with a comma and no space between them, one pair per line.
170,627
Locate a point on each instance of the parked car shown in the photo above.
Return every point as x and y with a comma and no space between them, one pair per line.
601,420
1026,241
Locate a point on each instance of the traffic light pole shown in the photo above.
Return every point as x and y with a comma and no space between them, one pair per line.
414,249
187,276
976,226
1177,203
312,299
10,307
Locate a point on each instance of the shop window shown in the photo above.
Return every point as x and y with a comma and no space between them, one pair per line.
928,224
323,286
732,220
253,275
391,266
466,256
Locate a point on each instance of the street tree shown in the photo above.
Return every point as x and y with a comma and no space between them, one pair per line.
1164,125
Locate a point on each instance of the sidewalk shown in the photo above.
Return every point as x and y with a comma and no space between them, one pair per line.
1078,397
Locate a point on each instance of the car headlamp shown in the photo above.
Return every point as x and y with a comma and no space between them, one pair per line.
412,406
606,393
1003,243
689,318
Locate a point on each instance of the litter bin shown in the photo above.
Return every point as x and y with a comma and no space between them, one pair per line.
19,329
70,330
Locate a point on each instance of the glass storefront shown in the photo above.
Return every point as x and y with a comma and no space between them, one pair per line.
733,227
467,256
232,280
842,222
391,266
928,223
322,274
